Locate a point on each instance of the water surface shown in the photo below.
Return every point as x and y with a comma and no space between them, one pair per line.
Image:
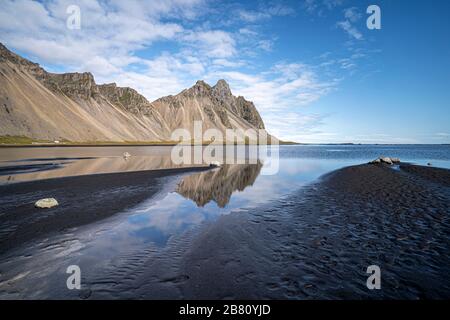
161,227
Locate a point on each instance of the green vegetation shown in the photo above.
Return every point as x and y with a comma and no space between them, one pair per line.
125,98
288,142
20,140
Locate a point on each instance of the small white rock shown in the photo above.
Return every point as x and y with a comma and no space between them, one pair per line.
46,203
215,164
387,160
126,155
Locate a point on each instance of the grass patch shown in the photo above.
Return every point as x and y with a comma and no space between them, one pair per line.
20,140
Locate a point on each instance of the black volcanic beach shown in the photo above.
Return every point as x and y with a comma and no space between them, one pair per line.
313,243
84,199
317,244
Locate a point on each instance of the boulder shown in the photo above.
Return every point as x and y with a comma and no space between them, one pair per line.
386,160
46,203
376,161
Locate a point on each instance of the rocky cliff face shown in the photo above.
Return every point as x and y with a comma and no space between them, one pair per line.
128,98
237,105
215,106
71,106
74,85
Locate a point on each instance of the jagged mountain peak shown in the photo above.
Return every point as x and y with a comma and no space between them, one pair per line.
222,85
220,90
202,83
218,105
43,105
21,63
200,88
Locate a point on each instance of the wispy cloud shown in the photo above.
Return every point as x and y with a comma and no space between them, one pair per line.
263,13
160,47
310,124
351,15
320,7
212,43
285,87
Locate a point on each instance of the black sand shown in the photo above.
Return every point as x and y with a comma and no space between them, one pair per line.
318,243
82,199
313,244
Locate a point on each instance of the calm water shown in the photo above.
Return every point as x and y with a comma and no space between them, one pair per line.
162,226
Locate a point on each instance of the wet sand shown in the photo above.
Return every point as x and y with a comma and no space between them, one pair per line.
83,200
316,244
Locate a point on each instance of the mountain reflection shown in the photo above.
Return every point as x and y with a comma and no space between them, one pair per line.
218,185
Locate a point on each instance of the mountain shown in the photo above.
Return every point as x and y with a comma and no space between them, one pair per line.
215,106
41,105
218,185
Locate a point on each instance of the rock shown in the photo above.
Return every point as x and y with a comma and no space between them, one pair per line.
46,203
386,160
220,108
429,164
127,98
215,164
126,155
376,161
85,294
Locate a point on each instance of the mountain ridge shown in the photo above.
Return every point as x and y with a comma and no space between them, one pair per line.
38,104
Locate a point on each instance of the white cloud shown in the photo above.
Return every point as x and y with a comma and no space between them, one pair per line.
320,7
282,127
284,90
351,15
264,13
213,43
350,29
114,34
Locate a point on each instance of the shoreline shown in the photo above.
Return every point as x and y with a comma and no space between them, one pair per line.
50,145
66,145
314,243
318,242
82,200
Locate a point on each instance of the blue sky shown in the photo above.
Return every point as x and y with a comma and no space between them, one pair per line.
314,70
